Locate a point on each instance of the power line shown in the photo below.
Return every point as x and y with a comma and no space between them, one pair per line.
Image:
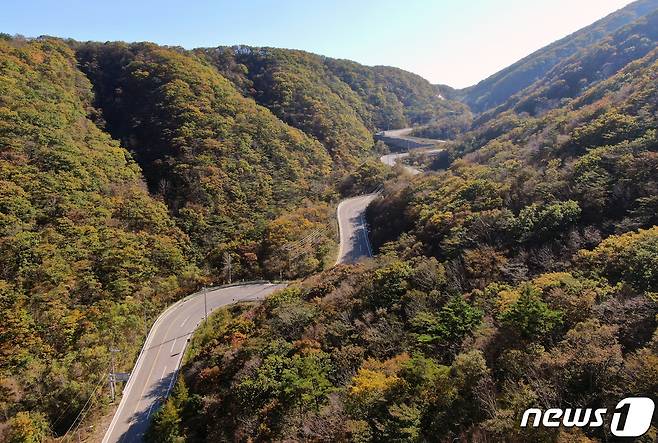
309,237
83,419
68,408
100,383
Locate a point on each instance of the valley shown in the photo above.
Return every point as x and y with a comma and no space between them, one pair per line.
443,259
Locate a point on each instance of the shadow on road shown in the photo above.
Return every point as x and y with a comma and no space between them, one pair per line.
358,243
139,421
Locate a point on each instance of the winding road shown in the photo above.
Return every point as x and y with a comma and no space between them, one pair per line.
354,243
400,138
158,363
392,159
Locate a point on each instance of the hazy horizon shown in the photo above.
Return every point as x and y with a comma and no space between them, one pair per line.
443,41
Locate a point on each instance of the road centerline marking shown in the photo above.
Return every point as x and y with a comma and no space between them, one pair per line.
153,362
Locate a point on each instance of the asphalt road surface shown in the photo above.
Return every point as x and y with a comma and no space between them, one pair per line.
392,159
157,365
354,243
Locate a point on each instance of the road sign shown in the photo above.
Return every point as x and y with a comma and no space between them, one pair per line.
120,376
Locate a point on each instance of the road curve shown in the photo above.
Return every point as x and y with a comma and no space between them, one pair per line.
354,243
392,159
157,364
401,139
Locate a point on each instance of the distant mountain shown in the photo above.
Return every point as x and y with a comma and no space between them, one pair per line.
524,273
499,87
594,63
131,173
339,102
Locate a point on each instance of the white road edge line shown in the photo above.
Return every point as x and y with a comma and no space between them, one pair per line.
145,347
137,367
340,231
148,377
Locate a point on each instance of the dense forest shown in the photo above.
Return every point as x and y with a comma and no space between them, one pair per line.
339,102
225,167
521,271
521,274
86,254
132,173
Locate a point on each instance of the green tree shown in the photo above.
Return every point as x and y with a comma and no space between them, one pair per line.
165,427
402,424
365,178
390,283
299,382
530,317
449,326
306,383
539,222
180,394
631,257
27,427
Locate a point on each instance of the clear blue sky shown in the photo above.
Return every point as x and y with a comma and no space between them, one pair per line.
457,42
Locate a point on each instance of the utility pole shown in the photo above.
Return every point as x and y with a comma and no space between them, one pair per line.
112,376
205,304
146,322
288,264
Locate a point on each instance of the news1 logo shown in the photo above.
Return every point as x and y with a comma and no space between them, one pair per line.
630,418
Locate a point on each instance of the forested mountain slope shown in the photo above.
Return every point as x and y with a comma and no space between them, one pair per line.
339,102
563,85
85,252
224,165
522,276
497,88
394,97
586,167
295,86
98,234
